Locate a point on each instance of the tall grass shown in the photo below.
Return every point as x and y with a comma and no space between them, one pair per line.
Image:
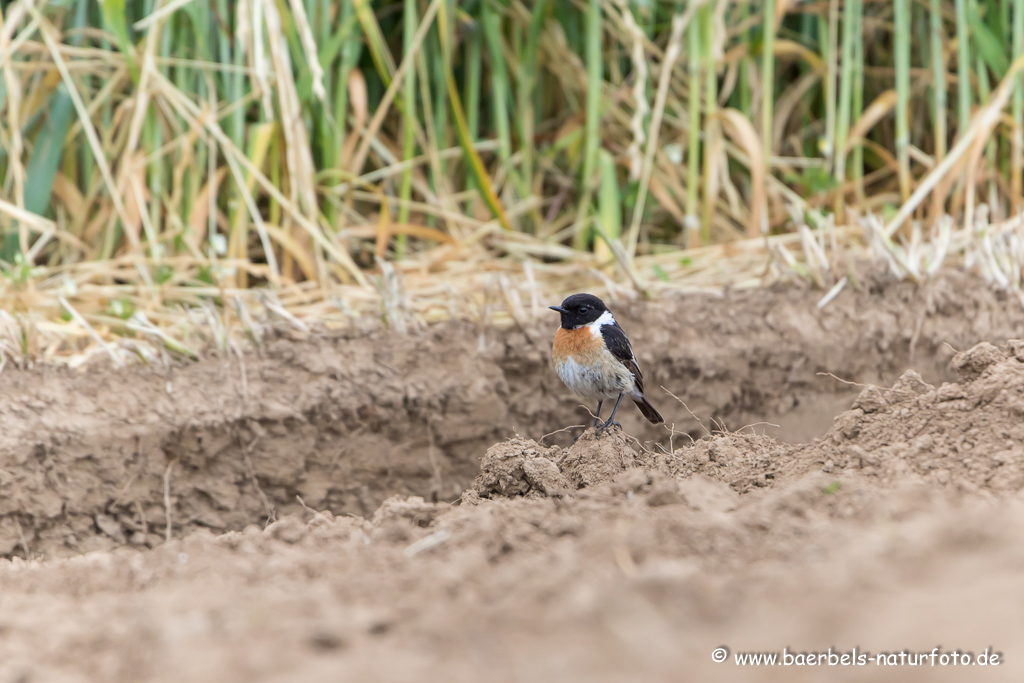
232,143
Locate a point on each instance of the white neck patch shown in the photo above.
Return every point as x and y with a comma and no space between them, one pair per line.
605,319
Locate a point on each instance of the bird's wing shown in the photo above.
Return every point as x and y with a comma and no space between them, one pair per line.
617,342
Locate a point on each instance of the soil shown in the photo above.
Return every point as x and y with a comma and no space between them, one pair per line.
370,506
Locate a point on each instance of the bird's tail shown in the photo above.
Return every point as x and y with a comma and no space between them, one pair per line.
652,415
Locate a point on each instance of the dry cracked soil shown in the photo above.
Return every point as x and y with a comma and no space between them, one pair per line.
368,506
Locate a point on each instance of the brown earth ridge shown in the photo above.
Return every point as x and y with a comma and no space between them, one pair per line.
344,419
607,560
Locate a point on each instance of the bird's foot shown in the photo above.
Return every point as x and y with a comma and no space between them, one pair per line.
606,426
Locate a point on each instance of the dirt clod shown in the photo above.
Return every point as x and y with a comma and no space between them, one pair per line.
967,434
517,468
971,363
704,494
290,529
598,458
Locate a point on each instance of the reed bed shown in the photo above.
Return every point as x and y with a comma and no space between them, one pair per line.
185,173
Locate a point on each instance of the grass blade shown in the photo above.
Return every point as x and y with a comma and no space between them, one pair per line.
1017,161
963,55
609,208
476,165
408,123
901,48
768,78
591,132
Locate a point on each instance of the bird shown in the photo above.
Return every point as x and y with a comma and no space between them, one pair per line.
594,359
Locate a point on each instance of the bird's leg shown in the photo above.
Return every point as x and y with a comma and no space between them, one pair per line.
610,422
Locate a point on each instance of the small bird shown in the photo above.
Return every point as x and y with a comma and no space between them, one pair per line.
593,357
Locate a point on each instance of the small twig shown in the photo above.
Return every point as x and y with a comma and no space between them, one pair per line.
242,372
917,335
671,454
167,500
692,414
844,381
124,489
635,440
251,472
623,258
438,481
316,513
832,293
865,386
755,424
719,426
427,542
270,302
21,537
140,323
92,333
142,516
558,431
590,412
672,436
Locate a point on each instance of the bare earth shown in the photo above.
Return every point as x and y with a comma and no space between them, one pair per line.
885,517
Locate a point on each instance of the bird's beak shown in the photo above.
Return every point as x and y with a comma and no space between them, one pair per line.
557,308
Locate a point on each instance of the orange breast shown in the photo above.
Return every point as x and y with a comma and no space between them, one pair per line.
579,344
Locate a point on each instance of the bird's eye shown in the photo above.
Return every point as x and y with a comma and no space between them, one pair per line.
584,309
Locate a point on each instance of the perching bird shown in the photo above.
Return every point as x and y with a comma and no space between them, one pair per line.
593,357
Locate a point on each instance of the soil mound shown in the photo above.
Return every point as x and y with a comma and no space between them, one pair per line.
96,459
521,467
968,435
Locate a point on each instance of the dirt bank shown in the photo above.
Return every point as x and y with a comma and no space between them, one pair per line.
608,560
345,419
